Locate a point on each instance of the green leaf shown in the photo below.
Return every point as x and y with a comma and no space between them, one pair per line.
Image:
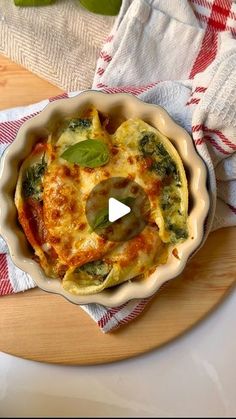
33,2
103,7
102,219
88,153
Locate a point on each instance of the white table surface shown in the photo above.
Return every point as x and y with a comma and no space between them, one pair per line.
192,376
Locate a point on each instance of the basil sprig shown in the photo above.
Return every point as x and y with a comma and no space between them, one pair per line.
103,7
25,3
87,153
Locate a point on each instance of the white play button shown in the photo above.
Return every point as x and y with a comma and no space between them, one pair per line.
116,210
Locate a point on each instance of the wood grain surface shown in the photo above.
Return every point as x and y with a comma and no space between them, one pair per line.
45,327
19,87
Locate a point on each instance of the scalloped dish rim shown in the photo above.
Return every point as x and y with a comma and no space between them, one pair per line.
129,106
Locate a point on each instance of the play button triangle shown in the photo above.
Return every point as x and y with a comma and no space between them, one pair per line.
117,210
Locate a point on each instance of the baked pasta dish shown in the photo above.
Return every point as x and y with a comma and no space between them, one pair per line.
54,184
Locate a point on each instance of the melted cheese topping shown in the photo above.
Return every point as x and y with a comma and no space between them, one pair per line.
61,237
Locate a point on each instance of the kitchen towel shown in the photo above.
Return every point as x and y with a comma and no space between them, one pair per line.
59,43
182,56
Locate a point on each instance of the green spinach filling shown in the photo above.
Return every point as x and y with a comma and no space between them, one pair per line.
170,200
163,164
79,123
97,269
179,232
32,183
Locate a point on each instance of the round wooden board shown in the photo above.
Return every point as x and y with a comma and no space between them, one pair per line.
44,327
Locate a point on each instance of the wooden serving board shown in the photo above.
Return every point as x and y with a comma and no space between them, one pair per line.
45,327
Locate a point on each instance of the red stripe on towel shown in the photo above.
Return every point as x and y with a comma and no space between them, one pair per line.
5,284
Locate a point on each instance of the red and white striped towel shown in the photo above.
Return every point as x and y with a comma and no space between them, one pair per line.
181,55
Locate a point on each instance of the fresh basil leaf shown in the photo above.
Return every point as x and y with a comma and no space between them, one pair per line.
87,153
102,220
25,3
103,7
